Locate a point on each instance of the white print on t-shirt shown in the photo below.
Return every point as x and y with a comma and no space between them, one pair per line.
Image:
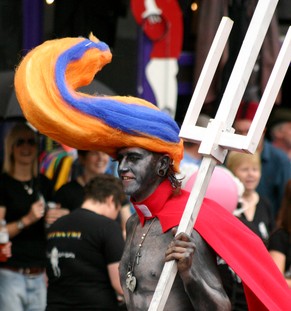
263,230
54,259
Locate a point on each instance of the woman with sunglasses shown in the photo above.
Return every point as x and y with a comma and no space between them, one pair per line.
22,203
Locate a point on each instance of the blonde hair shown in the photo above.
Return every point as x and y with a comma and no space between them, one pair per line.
234,159
10,139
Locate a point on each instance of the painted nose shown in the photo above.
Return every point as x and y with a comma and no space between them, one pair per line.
122,167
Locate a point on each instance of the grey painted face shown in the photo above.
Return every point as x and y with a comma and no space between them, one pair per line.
138,171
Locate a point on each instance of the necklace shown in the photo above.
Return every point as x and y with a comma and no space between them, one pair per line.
28,187
130,278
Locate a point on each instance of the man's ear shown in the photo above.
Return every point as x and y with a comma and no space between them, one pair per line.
163,165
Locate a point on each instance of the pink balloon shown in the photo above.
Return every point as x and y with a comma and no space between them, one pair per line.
222,188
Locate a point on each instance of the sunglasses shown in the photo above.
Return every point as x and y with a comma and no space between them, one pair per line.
21,141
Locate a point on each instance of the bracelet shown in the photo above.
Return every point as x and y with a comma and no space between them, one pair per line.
20,224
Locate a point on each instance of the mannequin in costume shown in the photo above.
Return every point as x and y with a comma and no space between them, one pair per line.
132,130
162,23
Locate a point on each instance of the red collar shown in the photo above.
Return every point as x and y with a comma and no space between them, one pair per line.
163,205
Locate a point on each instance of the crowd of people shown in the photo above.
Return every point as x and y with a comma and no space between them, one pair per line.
40,262
52,254
101,240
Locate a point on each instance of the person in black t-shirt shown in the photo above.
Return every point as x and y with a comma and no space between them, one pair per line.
253,210
22,194
84,249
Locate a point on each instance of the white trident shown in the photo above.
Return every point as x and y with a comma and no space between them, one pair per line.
219,135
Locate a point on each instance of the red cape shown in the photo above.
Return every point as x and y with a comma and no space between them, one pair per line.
265,286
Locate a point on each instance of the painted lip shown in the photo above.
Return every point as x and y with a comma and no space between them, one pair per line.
127,180
126,177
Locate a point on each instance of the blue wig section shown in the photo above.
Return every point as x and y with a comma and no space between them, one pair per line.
128,118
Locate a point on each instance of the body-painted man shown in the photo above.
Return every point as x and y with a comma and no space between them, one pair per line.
144,175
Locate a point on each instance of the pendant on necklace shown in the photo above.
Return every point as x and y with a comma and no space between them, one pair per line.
130,281
130,278
28,189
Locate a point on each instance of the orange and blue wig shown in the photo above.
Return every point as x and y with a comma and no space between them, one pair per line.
47,82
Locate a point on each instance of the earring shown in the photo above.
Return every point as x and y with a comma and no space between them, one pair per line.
161,173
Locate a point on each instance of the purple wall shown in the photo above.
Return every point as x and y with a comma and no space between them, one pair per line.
32,24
